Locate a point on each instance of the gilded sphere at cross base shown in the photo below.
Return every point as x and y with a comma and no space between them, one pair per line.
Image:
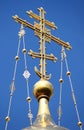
43,88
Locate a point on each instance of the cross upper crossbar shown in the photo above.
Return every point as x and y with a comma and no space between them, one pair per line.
53,38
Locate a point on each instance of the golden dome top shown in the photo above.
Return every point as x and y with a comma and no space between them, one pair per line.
43,88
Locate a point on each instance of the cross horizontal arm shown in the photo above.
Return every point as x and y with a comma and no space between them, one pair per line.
33,15
55,39
46,56
23,22
61,42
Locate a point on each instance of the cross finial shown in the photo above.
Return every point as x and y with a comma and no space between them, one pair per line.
44,35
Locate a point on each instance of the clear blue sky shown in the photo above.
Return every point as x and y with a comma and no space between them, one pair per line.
68,15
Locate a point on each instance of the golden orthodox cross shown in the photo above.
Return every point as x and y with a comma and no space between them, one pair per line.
45,36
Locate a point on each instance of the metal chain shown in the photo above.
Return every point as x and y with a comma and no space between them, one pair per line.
72,90
12,87
26,75
60,96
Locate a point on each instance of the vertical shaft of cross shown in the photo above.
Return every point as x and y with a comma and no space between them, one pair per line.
42,43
